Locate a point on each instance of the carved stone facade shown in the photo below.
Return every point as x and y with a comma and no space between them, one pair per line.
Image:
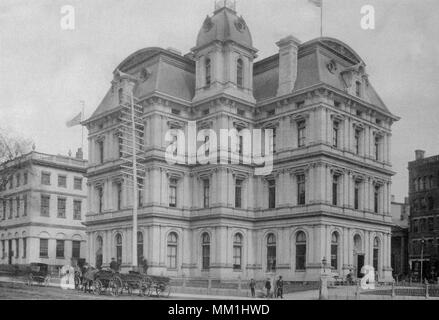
328,195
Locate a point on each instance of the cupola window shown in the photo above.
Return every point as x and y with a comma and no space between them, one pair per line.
239,73
208,72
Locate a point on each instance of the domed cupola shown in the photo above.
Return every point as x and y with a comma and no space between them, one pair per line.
224,55
224,26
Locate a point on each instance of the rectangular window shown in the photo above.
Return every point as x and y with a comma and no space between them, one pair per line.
101,151
17,213
335,190
335,130
45,205
206,193
301,127
17,248
44,248
61,207
77,205
4,209
377,148
45,178
301,189
271,194
172,256
357,196
376,199
11,209
430,224
62,181
25,178
24,247
100,192
18,179
238,193
24,205
173,193
77,183
60,249
357,142
76,249
119,196
3,249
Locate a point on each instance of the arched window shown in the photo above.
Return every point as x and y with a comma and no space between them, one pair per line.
205,248
237,251
300,251
99,250
239,73
376,253
271,253
139,247
172,250
119,248
357,243
208,68
334,250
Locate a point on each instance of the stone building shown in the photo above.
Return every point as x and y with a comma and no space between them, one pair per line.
424,223
400,234
42,208
328,195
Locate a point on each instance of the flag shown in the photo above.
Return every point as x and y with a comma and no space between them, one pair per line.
317,3
75,121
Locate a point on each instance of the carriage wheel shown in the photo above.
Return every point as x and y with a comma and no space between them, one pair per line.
30,279
96,287
159,290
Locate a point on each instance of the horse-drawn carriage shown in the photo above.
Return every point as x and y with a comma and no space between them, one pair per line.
106,280
99,282
37,273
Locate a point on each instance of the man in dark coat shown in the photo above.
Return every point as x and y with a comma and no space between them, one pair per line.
268,287
252,286
280,287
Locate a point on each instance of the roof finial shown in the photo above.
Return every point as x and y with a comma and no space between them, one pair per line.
231,4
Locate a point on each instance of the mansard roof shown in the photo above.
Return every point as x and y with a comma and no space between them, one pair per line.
159,71
316,61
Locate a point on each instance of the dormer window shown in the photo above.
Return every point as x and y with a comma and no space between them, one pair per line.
208,72
120,92
358,88
239,73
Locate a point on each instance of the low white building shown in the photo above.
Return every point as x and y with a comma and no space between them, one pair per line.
42,208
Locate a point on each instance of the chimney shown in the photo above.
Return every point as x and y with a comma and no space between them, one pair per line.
419,154
288,50
79,154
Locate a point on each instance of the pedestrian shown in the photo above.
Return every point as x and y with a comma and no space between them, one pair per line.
268,287
252,286
114,265
280,287
144,265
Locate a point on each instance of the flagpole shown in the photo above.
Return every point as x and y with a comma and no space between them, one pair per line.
321,20
82,127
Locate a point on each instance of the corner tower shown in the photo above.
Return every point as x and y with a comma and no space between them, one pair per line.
224,56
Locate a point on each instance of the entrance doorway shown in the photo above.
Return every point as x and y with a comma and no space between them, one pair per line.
360,265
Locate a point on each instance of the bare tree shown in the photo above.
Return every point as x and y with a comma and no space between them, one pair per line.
12,146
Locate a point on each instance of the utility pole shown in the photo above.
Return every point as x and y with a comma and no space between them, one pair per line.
131,140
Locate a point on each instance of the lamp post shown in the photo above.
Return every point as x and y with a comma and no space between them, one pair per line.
323,294
422,257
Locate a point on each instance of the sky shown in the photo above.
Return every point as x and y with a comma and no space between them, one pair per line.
46,71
